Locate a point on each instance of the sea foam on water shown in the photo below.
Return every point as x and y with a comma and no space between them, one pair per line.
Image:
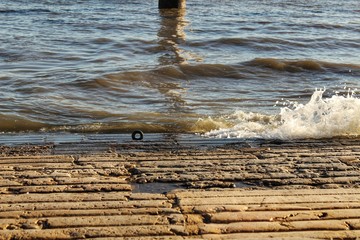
321,117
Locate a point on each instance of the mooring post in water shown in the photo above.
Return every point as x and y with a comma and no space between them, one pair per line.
172,4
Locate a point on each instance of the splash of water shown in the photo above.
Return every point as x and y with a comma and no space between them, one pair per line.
319,118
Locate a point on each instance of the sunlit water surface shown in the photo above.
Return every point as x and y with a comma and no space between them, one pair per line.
221,68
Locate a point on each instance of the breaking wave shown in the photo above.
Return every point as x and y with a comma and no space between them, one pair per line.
321,117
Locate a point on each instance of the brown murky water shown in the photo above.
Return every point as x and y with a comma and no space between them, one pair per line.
115,66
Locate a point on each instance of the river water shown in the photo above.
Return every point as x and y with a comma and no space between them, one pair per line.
230,68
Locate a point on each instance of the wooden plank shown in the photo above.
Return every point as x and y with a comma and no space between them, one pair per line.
237,227
91,180
228,217
86,221
268,200
49,166
88,212
354,234
36,159
84,205
202,209
64,197
66,188
90,232
166,158
253,193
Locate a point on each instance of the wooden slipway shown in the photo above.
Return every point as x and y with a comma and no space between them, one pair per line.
177,187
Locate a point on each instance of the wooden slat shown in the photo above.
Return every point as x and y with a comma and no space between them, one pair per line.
45,206
64,197
246,193
86,221
268,200
333,225
303,215
288,235
66,188
108,210
91,232
203,209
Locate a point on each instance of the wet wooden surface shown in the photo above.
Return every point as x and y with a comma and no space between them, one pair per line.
73,189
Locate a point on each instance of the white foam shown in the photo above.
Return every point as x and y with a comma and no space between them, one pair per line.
319,118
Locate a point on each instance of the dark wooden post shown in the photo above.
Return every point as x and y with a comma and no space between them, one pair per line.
172,4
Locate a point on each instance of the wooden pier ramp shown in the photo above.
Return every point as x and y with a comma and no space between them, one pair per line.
108,187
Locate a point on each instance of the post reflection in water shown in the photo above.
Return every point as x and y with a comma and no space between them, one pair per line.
171,34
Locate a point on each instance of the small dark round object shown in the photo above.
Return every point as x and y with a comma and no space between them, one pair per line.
135,136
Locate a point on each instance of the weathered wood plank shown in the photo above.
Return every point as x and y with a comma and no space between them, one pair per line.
268,207
84,205
89,212
268,200
64,197
246,193
228,217
87,221
354,234
66,188
237,227
36,159
90,232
